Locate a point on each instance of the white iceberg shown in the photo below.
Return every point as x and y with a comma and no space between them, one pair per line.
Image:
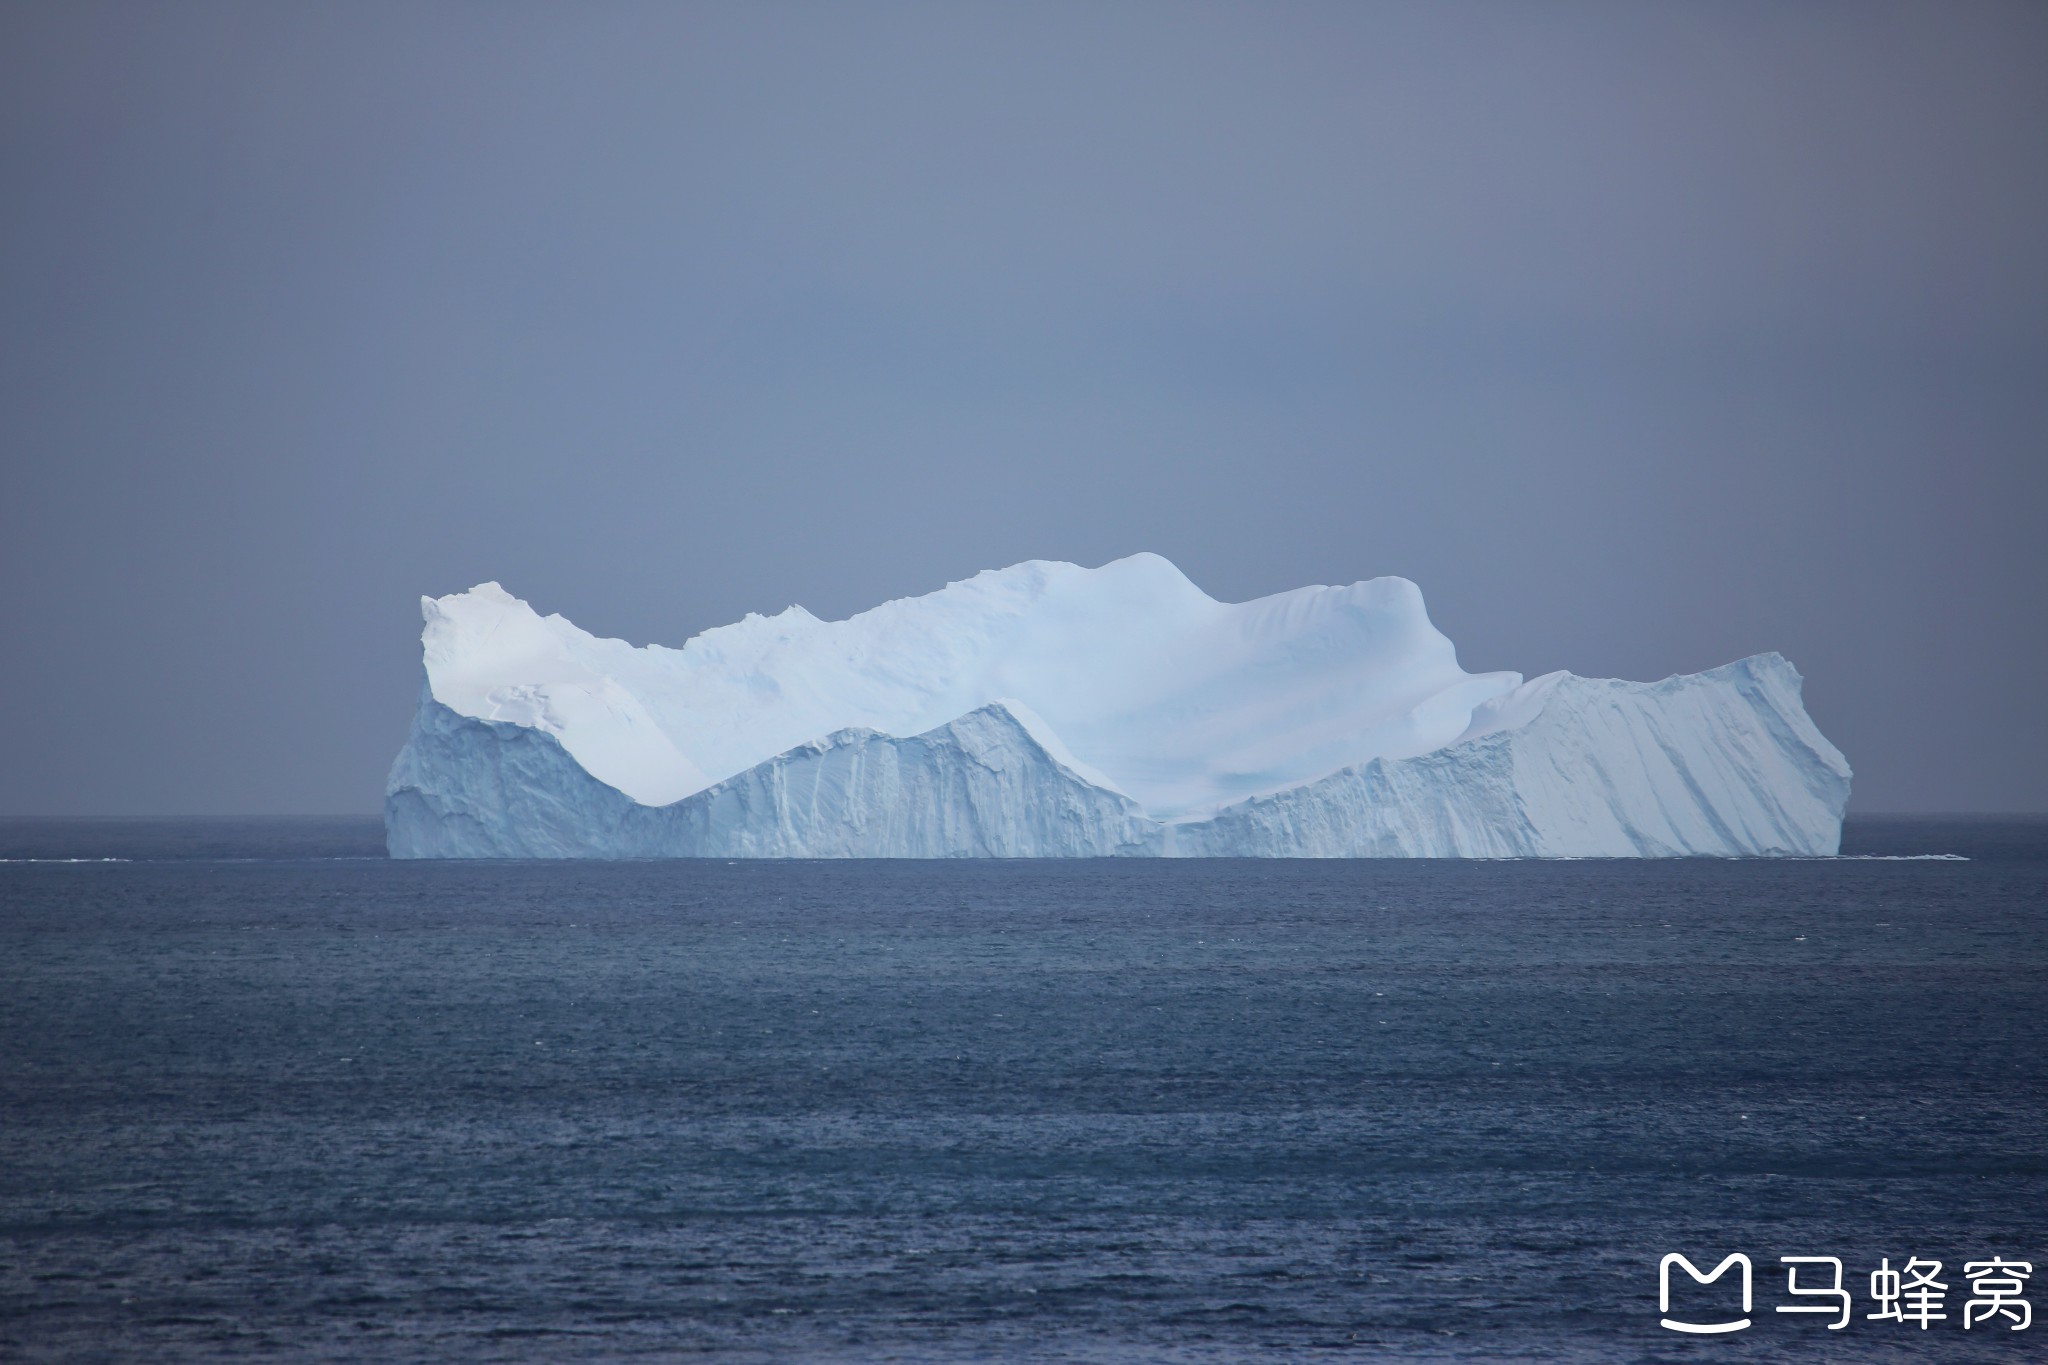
1046,710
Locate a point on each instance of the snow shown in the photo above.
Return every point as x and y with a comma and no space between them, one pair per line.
1180,701
1051,710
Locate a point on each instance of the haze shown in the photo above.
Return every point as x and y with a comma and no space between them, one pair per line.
1642,337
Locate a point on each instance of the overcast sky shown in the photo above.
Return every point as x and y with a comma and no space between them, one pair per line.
1641,336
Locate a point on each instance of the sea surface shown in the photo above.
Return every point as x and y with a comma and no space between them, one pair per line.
266,1095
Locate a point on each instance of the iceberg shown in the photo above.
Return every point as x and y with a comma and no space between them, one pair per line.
1052,711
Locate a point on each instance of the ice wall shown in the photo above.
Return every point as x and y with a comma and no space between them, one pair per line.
1052,711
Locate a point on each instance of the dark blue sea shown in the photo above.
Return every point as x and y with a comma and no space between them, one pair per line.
266,1095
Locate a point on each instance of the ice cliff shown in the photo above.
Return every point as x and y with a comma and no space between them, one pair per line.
1047,710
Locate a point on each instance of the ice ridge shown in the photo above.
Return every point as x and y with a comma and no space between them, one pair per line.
1047,710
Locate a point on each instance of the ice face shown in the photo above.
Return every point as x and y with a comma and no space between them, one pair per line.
1181,702
1150,717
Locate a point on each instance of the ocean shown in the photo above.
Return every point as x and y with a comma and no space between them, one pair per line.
267,1095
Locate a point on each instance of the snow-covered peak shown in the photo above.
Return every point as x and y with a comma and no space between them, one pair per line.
1128,673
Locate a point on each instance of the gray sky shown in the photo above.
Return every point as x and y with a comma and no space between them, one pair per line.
1642,336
